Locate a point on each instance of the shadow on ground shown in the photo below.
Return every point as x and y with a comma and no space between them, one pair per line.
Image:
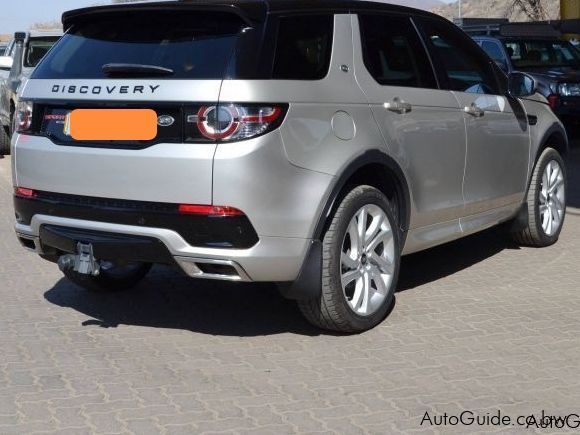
167,299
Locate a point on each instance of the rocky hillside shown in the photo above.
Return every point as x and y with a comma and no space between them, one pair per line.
494,9
419,4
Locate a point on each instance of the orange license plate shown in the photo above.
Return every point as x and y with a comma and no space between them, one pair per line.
112,124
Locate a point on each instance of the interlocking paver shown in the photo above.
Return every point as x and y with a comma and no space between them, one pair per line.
479,325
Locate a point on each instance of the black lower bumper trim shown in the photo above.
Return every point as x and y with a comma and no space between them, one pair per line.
56,241
231,232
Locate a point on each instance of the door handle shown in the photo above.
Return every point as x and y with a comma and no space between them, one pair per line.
474,110
399,106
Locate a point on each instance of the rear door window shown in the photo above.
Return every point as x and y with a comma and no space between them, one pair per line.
393,52
194,45
303,48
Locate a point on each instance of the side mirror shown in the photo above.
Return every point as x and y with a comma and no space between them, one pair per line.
521,85
5,63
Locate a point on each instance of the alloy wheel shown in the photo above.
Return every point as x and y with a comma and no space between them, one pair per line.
368,260
552,198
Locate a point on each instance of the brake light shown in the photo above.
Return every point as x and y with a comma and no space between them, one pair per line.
23,192
23,116
235,122
209,210
554,100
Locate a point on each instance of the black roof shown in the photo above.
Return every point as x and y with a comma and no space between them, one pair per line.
250,10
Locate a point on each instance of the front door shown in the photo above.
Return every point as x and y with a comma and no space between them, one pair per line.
498,140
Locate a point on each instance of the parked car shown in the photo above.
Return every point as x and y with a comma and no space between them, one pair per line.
310,144
540,51
18,62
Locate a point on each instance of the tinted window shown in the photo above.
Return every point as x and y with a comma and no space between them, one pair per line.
493,50
304,46
393,52
192,45
459,59
534,53
37,49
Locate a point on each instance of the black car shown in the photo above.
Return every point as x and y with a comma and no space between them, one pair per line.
538,50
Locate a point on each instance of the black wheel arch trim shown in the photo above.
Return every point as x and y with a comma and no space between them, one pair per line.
368,158
555,129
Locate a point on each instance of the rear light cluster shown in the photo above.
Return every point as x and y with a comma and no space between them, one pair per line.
23,116
233,122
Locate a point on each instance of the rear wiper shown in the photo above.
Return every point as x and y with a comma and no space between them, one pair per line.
135,69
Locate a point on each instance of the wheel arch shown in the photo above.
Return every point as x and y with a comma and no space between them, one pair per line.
377,169
374,168
554,137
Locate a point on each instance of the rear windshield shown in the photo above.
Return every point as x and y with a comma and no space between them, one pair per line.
37,49
191,45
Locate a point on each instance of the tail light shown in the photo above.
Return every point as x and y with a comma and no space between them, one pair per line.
235,122
209,210
23,116
554,100
23,192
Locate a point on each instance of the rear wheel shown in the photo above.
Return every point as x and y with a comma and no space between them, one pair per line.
546,202
4,142
360,264
112,278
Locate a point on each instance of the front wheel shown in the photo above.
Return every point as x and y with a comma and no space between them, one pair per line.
546,202
360,264
112,278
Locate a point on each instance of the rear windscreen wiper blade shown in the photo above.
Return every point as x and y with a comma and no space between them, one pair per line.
135,69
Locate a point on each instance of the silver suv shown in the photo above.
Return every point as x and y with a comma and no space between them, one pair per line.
310,144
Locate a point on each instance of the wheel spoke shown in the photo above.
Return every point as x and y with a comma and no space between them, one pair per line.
358,294
377,278
381,237
556,185
355,241
384,264
349,262
362,225
349,277
374,227
364,307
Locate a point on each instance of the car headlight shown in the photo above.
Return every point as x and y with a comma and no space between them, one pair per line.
569,89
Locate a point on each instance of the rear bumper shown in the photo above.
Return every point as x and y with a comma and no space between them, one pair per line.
271,259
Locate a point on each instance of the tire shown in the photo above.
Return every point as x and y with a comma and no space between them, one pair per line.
535,233
337,307
111,281
4,142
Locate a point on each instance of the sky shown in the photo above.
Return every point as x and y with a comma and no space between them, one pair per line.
18,15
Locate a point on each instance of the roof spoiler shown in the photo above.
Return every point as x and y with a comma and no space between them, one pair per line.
251,12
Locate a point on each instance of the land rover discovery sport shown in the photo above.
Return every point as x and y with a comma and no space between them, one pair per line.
309,144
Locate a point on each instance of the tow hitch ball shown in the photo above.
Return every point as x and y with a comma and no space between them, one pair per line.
84,262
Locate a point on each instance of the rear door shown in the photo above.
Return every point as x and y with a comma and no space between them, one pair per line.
96,65
498,142
421,124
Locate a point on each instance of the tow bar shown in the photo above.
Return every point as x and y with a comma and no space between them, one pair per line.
84,262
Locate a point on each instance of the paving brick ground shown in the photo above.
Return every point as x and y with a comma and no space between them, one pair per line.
479,325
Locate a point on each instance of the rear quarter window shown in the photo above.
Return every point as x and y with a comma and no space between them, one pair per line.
194,45
303,47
